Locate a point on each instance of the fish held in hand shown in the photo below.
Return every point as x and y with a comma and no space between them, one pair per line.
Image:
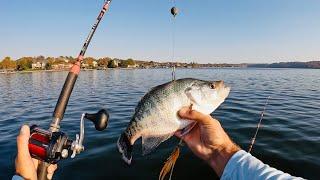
156,119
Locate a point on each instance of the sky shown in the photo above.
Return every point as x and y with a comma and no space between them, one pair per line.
205,31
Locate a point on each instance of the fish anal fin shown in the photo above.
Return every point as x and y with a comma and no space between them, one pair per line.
152,142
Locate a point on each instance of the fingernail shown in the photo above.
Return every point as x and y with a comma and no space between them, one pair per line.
24,129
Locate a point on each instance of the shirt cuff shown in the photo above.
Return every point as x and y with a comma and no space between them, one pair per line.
232,163
17,177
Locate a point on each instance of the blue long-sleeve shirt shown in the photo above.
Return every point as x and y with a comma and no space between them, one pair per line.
243,165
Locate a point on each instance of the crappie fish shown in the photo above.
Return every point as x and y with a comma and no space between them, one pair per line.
156,119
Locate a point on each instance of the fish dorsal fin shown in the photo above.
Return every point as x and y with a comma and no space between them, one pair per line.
150,143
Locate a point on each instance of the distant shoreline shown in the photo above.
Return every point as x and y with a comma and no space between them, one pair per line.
66,70
64,63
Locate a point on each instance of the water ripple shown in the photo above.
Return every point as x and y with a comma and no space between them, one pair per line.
288,138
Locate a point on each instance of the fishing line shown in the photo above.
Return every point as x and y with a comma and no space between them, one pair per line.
173,48
174,12
171,161
258,126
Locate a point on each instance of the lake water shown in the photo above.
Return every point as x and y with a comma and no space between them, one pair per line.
289,139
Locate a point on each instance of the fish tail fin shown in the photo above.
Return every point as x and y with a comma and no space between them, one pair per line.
125,148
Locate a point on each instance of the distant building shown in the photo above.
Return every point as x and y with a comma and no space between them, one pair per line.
38,65
87,65
84,65
61,66
132,66
94,63
113,64
66,60
116,62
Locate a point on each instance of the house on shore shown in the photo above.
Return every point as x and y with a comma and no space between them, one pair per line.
95,64
132,66
92,64
61,66
38,65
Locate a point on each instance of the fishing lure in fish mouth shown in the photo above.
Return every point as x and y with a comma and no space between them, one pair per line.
156,119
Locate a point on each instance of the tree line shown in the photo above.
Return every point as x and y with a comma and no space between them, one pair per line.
25,63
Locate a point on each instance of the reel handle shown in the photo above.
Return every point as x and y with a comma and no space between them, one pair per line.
99,119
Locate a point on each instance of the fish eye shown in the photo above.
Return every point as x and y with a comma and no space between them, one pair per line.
212,86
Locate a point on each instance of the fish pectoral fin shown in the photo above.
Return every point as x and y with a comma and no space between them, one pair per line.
151,142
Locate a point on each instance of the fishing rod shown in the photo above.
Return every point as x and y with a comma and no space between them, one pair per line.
50,146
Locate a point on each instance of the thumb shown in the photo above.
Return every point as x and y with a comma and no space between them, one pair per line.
187,113
23,141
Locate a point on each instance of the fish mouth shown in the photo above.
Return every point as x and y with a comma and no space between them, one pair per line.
220,84
223,89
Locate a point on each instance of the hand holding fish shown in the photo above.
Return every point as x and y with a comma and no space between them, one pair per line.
208,140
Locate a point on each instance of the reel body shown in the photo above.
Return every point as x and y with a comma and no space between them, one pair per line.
48,146
51,147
